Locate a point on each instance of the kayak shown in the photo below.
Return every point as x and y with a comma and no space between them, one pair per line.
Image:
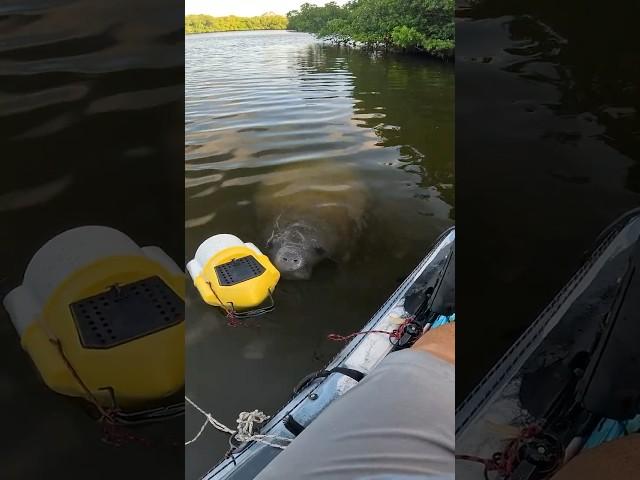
570,382
424,300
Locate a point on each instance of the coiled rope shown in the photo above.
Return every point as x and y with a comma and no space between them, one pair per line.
244,433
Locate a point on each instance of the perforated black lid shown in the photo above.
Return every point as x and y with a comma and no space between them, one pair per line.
239,270
126,312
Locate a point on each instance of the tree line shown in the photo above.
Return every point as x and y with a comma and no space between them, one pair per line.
419,25
207,23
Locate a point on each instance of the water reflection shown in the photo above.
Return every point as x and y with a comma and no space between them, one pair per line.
547,155
422,129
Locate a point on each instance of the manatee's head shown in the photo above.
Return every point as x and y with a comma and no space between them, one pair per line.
296,248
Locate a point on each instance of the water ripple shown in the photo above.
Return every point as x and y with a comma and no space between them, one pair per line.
286,99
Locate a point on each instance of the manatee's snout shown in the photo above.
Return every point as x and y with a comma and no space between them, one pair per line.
295,248
291,263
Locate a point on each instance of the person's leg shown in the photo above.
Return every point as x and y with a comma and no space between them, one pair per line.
440,342
397,423
617,459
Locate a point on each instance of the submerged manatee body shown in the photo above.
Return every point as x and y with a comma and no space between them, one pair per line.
310,213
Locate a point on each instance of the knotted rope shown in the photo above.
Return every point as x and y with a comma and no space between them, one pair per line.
112,432
232,319
505,462
246,422
394,334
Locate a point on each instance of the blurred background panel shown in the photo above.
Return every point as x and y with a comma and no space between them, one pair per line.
91,133
547,155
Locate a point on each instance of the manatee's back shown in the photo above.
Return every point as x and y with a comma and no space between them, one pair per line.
312,188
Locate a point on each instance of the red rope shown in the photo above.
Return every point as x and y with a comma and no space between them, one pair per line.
232,320
505,462
112,432
117,435
395,333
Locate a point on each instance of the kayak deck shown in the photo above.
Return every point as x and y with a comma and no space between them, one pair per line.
361,354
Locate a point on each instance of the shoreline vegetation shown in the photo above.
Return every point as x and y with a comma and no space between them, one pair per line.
420,26
209,24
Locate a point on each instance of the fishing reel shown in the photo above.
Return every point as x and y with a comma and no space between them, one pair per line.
433,305
407,335
537,458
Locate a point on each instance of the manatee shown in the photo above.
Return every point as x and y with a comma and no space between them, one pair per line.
310,212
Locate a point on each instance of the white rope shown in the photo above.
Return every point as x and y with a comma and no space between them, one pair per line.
244,433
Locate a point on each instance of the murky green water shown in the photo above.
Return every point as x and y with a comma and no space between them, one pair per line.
256,101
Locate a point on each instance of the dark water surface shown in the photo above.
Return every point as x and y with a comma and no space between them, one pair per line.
259,100
547,155
91,108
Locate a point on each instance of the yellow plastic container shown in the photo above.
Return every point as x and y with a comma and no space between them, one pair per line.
233,275
134,369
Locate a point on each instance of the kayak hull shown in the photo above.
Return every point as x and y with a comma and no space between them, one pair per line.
361,354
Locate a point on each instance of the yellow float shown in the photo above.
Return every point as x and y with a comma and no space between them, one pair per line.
233,275
103,319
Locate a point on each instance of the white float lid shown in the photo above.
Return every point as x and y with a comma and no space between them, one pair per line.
63,255
210,247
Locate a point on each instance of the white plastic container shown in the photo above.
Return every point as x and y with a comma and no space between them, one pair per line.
212,246
65,254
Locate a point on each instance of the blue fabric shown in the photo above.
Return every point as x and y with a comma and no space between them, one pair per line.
443,320
609,429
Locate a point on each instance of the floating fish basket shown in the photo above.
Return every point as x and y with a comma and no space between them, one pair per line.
234,276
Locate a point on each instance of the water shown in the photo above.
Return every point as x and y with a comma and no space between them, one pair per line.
91,122
547,154
259,100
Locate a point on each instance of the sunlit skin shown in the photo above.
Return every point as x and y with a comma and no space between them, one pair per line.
617,459
440,342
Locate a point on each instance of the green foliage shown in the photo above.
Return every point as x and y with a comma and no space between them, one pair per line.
207,23
336,29
407,37
313,19
421,25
